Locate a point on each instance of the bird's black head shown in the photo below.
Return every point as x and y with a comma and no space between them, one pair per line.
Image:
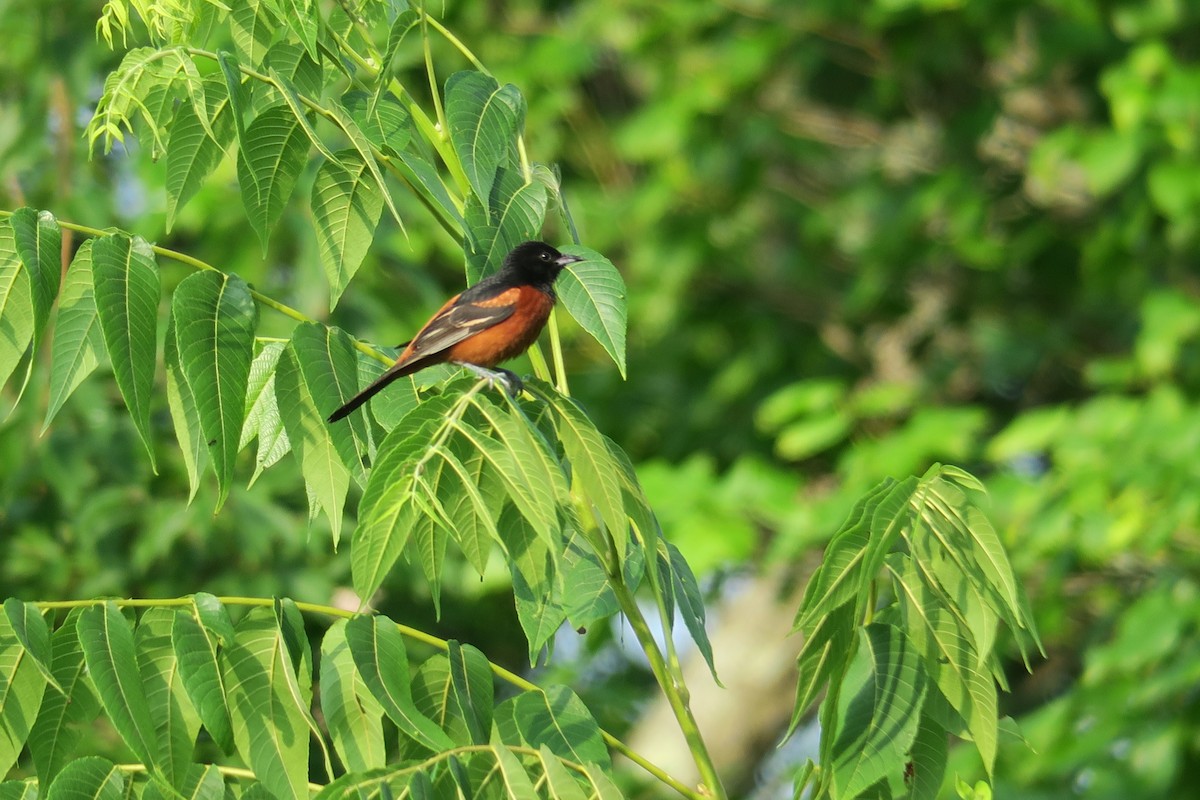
537,263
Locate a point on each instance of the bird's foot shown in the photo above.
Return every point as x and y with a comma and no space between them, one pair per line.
512,384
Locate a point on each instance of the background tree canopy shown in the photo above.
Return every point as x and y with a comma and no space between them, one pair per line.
858,239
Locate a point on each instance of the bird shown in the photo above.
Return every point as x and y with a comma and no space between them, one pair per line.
490,322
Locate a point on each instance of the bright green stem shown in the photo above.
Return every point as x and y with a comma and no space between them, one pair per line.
670,680
412,633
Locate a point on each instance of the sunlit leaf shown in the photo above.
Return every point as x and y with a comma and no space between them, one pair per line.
39,246
353,715
593,292
88,778
78,343
347,204
215,317
269,162
126,284
484,119
381,657
108,649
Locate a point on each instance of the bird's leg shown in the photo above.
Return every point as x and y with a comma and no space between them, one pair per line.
512,384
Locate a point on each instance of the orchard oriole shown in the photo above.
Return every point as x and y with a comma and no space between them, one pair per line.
492,321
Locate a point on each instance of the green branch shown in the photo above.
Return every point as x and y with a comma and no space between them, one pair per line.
412,633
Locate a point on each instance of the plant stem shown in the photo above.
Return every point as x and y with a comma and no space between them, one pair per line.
671,684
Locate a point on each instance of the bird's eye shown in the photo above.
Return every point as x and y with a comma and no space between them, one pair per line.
544,256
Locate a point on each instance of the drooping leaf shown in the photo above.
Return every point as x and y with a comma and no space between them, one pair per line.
881,713
253,27
484,119
269,162
263,421
60,722
126,284
185,418
16,305
39,245
269,725
175,720
78,343
472,689
193,151
197,638
593,292
496,223
382,660
108,649
558,719
690,604
383,120
352,714
324,473
386,513
21,690
215,318
347,204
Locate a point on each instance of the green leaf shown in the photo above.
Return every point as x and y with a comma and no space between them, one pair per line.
325,476
89,778
929,755
21,689
197,638
949,656
363,145
881,714
560,721
19,790
498,222
78,342
593,292
39,246
175,720
215,318
269,725
108,649
194,152
354,717
385,513
690,604
484,119
28,625
199,783
346,204
533,477
827,649
270,160
561,782
262,411
514,779
63,716
842,573
379,653
126,284
295,104
301,18
253,28
472,689
382,118
329,366
461,490
185,418
16,305
592,464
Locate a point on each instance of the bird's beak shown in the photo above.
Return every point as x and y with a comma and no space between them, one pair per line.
564,259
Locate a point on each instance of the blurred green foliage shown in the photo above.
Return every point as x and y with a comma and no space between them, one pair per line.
858,238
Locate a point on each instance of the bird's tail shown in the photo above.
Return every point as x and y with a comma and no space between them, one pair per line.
397,371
